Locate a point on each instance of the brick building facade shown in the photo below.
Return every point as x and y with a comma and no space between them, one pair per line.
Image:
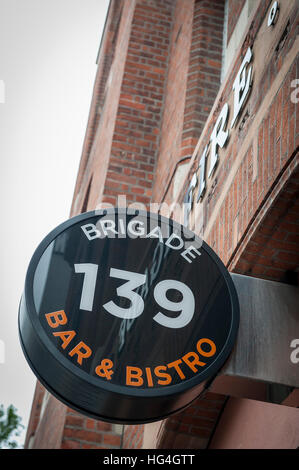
166,69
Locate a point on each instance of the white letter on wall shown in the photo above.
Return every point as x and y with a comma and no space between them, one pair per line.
218,137
241,85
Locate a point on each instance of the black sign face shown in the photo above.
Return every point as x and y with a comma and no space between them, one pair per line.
126,315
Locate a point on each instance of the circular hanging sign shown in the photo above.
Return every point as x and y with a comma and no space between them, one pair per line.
126,315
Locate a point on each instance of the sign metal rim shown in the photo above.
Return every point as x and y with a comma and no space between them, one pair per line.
96,382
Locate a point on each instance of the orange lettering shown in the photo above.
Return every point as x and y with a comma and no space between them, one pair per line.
134,376
208,341
192,363
65,336
59,318
149,376
81,354
162,375
175,364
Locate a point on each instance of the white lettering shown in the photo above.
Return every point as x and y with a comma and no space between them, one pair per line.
186,306
90,272
108,225
188,252
156,233
202,167
126,290
188,201
176,246
218,138
241,85
91,231
140,227
220,135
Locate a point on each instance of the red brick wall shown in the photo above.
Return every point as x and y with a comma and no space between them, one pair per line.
270,249
107,57
192,83
49,431
133,437
135,140
204,69
247,424
81,432
192,428
35,412
173,117
244,199
95,161
263,151
105,60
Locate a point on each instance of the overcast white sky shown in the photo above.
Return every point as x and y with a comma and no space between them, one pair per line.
48,50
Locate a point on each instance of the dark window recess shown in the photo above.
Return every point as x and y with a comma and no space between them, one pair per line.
290,277
277,393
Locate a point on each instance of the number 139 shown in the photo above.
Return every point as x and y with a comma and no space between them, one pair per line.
134,280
